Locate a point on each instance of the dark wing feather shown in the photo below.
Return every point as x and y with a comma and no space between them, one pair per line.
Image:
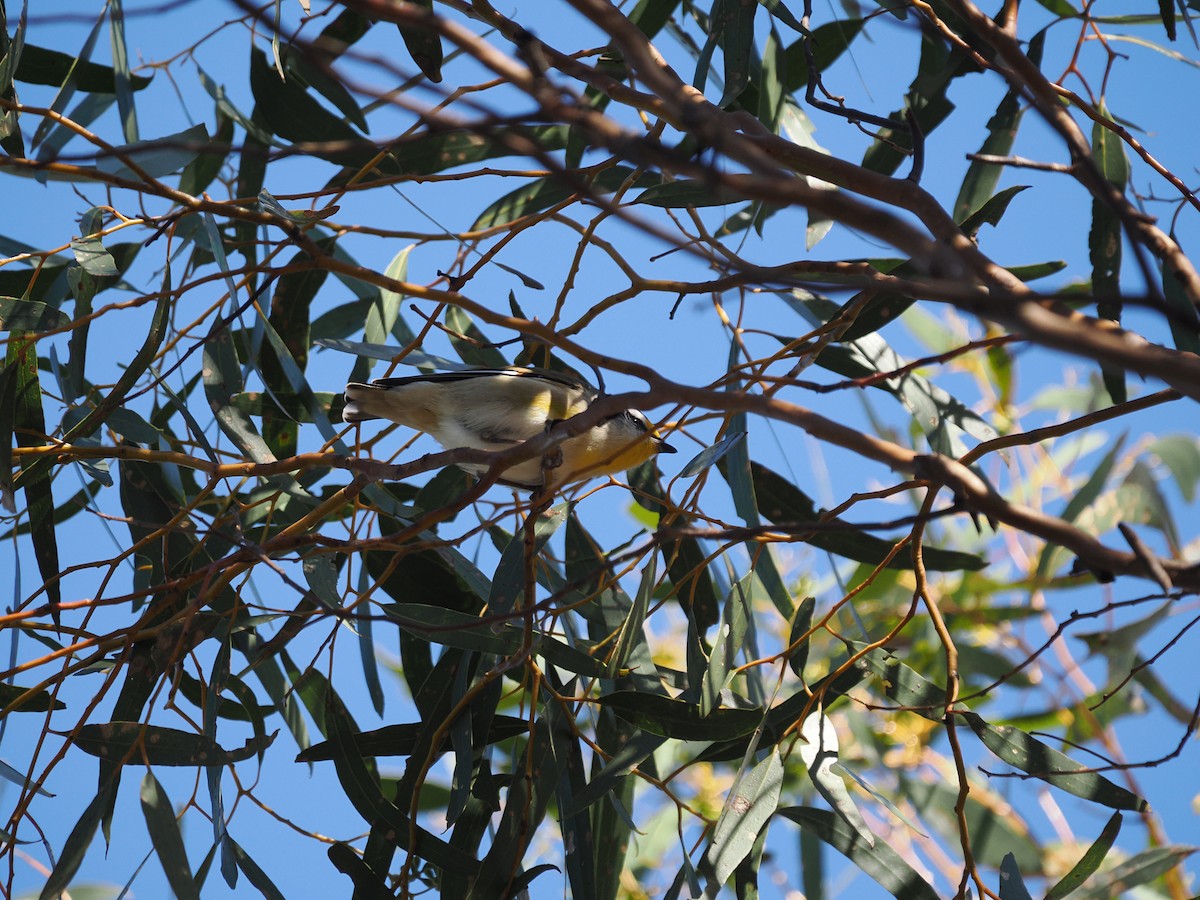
465,374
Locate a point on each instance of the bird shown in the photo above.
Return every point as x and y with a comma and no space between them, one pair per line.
495,408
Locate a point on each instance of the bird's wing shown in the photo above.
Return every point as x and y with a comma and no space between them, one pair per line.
532,402
560,378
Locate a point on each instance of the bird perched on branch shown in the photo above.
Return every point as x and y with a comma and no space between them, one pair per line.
492,409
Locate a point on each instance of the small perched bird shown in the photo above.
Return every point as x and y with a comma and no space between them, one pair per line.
492,409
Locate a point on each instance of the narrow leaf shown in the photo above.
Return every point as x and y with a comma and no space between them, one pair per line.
820,753
1140,869
29,424
880,862
159,745
254,873
684,194
746,811
424,44
1030,755
157,158
784,503
30,315
167,839
709,455
1089,862
122,80
76,846
1012,885
677,719
364,793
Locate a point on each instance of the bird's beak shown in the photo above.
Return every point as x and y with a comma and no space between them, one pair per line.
664,447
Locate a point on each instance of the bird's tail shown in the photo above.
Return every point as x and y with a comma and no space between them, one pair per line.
360,400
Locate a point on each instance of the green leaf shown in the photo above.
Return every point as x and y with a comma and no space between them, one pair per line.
684,193
474,348
91,255
728,642
1089,862
819,751
367,885
1166,10
880,862
981,178
293,114
1037,270
167,839
222,377
76,845
424,45
157,158
403,739
254,403
781,718
927,100
451,628
198,174
996,830
992,211
1120,645
828,42
780,11
784,503
691,579
8,773
122,80
29,424
736,469
1140,869
943,418
746,812
133,371
632,634
650,16
40,65
1141,499
1060,8
124,421
709,455
1012,885
801,623
11,50
524,809
1083,498
678,719
38,701
1183,316
771,93
425,154
1104,241
363,791
69,83
30,315
159,746
1180,453
908,688
1031,756
733,25
543,193
254,873
289,317
325,82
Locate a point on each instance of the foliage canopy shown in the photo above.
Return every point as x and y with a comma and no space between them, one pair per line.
923,577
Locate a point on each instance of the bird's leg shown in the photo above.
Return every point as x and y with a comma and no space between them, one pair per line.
553,458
